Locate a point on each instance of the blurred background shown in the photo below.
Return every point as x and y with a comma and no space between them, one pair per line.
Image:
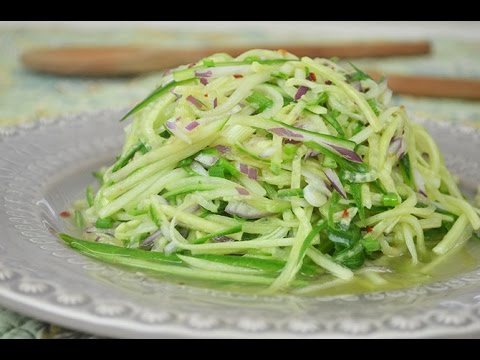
26,96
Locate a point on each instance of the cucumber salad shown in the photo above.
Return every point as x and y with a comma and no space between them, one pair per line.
273,172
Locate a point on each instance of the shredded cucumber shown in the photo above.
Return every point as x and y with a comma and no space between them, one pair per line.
273,171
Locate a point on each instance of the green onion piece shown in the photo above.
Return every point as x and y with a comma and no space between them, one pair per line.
185,162
259,101
390,199
370,244
332,205
89,195
356,190
328,162
210,151
352,258
106,223
344,238
217,171
228,166
79,221
406,170
208,63
231,230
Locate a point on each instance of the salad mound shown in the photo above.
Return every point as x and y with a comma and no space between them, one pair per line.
276,171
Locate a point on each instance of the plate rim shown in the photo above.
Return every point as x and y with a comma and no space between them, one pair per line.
32,307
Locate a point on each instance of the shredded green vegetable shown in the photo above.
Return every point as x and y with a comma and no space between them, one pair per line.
273,171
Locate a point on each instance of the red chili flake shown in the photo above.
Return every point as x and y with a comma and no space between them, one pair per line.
328,82
345,213
237,76
65,214
312,77
369,229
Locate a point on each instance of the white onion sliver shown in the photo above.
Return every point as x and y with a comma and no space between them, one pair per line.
198,168
314,196
207,160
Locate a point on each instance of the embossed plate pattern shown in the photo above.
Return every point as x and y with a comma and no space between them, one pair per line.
44,167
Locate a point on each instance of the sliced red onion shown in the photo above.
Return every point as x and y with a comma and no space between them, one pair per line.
178,96
244,169
403,149
252,173
335,181
203,74
311,153
242,191
283,132
215,103
290,141
204,81
222,148
347,154
300,92
419,182
245,211
192,125
194,101
395,144
151,238
171,125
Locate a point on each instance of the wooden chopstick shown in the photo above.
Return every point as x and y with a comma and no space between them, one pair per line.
429,86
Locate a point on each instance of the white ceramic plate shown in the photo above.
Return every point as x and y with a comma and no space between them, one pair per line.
44,167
